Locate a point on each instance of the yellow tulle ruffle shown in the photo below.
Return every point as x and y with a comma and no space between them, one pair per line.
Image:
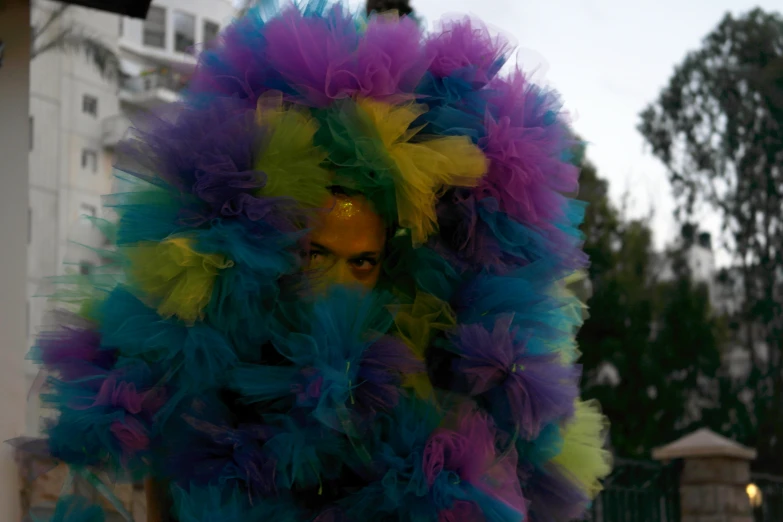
583,456
571,314
292,164
178,277
424,167
415,324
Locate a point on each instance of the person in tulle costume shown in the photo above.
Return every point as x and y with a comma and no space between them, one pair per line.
340,288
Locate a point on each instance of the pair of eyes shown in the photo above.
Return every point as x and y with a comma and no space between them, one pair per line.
361,263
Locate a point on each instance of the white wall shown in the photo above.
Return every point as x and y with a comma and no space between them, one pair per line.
14,144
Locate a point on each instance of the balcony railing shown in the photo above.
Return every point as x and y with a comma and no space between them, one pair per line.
154,88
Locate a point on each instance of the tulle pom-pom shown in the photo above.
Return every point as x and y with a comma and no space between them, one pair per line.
429,473
178,277
389,59
337,361
417,324
562,469
470,450
209,445
522,390
583,458
194,358
309,52
524,142
237,67
305,452
73,352
477,235
325,57
147,212
422,167
245,296
106,418
242,308
466,49
532,295
421,270
553,497
293,166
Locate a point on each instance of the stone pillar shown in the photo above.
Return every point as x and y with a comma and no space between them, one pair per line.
715,475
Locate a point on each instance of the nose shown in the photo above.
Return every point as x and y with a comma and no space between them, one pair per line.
339,274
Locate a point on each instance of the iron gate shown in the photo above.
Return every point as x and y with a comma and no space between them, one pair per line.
771,505
639,491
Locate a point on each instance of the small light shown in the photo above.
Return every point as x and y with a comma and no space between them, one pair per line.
754,494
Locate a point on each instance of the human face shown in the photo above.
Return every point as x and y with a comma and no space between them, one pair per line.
347,243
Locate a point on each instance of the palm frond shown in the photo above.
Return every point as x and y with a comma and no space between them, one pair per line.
71,39
55,15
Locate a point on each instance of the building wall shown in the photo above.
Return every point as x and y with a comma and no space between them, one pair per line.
220,12
14,144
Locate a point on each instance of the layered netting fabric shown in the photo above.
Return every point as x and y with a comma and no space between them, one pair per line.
200,355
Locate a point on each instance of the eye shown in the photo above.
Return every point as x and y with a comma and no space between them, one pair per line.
364,263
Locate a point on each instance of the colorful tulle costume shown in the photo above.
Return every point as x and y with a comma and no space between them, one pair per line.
200,355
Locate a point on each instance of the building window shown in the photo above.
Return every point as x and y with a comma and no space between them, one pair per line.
211,30
90,160
89,210
155,27
184,32
85,267
90,105
32,130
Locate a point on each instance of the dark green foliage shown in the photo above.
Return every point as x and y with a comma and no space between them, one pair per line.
718,128
403,7
659,335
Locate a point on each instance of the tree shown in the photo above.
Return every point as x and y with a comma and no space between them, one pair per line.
56,32
650,348
403,7
718,128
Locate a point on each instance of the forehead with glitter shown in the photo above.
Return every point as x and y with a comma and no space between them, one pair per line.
348,226
346,208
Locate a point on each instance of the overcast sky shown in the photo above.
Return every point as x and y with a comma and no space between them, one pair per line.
608,59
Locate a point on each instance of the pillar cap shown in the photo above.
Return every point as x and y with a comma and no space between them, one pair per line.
703,443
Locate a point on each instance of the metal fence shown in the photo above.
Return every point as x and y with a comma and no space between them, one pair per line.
771,501
639,491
